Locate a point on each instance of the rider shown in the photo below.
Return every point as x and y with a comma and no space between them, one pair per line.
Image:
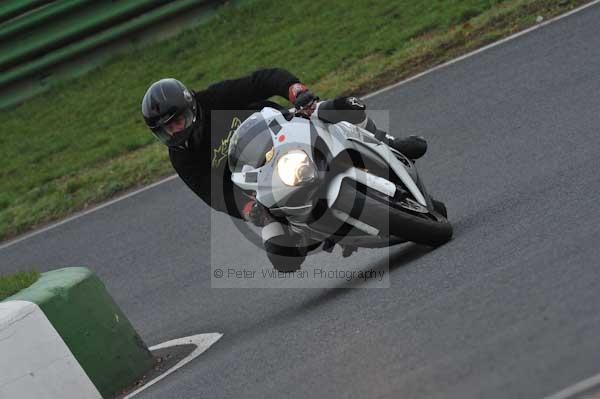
196,130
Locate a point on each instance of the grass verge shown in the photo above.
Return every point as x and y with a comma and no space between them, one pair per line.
84,140
10,285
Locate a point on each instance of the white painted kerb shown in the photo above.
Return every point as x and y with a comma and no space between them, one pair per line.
35,362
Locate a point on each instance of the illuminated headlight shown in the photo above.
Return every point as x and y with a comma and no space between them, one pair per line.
295,168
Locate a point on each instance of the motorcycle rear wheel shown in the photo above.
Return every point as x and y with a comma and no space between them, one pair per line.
429,228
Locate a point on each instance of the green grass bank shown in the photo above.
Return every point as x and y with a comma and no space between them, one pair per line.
84,140
14,283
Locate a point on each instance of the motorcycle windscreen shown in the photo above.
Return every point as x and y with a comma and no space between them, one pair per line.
250,143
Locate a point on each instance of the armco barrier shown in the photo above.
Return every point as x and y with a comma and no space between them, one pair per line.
13,8
40,17
99,341
55,40
92,42
57,35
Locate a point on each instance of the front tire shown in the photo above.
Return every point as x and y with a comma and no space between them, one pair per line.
422,228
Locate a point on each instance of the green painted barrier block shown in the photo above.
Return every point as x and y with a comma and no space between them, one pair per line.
93,327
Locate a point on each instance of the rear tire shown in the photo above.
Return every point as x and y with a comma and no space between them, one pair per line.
429,229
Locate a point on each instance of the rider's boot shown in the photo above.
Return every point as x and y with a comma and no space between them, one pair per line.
413,147
439,207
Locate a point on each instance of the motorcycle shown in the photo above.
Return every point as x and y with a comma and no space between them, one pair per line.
333,183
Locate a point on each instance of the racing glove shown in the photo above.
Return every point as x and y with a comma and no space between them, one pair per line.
303,99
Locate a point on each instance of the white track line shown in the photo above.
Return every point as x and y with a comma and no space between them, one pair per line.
202,342
393,86
86,212
482,49
578,388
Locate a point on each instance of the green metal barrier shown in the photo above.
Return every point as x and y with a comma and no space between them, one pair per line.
42,42
14,8
82,46
39,17
64,32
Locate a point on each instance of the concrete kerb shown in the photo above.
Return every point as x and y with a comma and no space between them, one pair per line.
64,337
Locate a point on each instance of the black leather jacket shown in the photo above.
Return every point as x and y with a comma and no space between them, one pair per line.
223,106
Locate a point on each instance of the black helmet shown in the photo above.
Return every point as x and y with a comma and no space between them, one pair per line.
169,110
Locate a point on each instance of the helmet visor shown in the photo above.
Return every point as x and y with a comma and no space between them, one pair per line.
170,129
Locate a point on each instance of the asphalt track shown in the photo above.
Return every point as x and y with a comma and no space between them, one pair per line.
510,308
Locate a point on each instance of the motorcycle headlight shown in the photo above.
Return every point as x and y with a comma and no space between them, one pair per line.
295,168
